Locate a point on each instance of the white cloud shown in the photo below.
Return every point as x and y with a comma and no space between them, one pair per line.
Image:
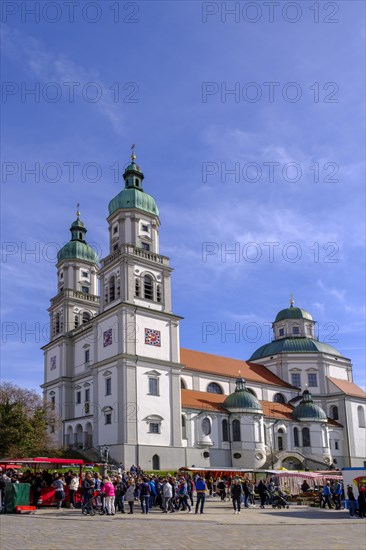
50,66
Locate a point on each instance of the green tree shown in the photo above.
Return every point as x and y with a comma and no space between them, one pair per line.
23,422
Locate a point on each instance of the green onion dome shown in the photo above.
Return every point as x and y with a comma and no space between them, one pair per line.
77,248
307,410
293,313
133,195
242,399
293,345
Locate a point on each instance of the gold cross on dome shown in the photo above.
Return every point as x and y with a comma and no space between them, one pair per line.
133,156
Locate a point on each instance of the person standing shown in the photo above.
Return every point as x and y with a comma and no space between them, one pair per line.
362,500
251,493
351,502
262,491
145,491
73,487
167,497
87,488
130,494
221,489
59,484
236,494
338,490
327,493
190,487
245,488
201,494
108,490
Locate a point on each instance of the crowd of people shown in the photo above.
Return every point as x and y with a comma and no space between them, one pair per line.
132,489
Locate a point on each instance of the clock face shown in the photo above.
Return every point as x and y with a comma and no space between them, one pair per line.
152,337
107,338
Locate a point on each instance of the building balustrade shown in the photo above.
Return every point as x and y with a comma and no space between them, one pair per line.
69,293
134,250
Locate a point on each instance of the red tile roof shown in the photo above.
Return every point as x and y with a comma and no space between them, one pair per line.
277,410
225,366
349,388
192,399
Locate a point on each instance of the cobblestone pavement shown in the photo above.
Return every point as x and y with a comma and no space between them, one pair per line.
218,528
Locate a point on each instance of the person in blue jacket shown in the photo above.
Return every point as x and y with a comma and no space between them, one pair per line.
201,488
327,494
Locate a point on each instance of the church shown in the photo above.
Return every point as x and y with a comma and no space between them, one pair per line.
116,375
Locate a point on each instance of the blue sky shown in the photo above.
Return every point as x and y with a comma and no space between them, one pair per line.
160,76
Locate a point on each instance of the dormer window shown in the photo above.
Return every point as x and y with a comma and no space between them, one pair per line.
295,330
281,332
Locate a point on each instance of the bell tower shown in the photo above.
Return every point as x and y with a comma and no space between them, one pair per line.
77,300
134,271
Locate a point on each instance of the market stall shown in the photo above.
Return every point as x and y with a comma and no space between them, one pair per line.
46,495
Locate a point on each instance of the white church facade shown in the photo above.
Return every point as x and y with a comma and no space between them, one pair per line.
116,375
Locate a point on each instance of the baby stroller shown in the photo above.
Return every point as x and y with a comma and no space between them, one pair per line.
278,501
94,504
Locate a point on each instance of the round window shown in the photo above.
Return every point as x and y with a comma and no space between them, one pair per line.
206,426
206,454
237,455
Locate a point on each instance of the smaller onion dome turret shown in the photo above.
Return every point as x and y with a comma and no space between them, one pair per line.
133,195
77,248
293,313
242,400
307,410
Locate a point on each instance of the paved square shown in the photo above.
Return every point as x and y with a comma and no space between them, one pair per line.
299,527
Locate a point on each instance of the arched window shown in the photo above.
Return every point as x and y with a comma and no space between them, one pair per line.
252,392
296,437
306,437
206,426
57,323
280,439
361,416
137,287
334,412
184,427
112,288
76,321
279,398
106,294
225,430
183,385
148,288
118,289
86,317
156,462
236,430
214,388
